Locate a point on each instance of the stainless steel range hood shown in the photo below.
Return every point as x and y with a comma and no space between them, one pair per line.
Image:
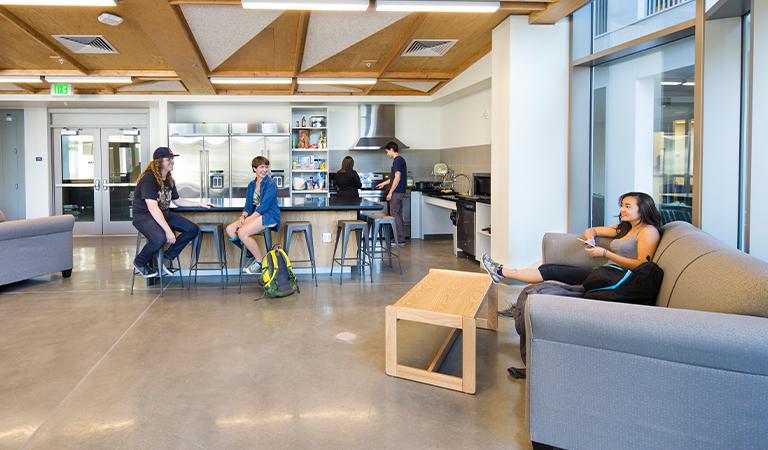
377,127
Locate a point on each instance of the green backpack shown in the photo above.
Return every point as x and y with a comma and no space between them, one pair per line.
277,276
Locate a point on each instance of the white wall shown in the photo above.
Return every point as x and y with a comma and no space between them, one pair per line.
466,121
758,236
529,131
231,112
37,174
722,126
418,126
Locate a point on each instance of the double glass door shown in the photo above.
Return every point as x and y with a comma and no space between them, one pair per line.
95,172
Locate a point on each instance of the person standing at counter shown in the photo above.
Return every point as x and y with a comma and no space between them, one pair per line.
261,211
152,197
348,181
397,184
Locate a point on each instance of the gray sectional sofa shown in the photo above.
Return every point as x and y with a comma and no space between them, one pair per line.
34,247
690,373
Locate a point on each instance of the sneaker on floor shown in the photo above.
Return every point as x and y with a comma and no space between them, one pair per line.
401,243
491,267
253,269
145,271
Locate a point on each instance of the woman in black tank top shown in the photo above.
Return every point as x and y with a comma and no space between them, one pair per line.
348,181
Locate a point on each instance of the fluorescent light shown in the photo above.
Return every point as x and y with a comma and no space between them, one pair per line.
437,6
689,83
337,80
19,79
59,2
671,83
308,5
245,80
108,80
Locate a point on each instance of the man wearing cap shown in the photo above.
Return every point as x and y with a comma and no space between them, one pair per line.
155,190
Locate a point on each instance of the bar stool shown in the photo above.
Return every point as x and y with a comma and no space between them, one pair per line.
267,233
217,231
343,230
306,228
383,228
160,254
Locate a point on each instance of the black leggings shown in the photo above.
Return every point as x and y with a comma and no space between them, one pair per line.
566,274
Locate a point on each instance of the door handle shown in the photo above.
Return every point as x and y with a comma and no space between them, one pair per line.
95,184
105,184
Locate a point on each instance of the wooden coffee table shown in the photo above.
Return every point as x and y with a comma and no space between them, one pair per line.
451,299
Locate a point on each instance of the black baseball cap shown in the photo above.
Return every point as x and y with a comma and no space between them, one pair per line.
163,152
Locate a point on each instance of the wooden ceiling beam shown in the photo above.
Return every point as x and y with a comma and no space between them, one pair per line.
166,28
301,43
526,7
556,11
42,40
441,76
245,73
25,87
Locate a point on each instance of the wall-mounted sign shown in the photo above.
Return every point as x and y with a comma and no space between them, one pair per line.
62,90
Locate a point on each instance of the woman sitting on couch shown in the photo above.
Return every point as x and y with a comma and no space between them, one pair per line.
635,239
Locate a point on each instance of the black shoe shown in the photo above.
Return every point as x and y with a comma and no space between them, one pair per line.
168,269
517,372
145,271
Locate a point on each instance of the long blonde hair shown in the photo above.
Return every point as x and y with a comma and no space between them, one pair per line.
155,167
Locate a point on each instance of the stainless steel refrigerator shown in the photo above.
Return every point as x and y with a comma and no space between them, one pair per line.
251,140
202,170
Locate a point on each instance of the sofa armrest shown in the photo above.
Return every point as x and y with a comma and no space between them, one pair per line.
17,229
567,249
720,341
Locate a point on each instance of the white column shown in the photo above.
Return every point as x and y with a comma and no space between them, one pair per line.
758,234
529,137
721,128
37,162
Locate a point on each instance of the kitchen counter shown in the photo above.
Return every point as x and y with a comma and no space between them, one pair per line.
456,197
292,204
324,215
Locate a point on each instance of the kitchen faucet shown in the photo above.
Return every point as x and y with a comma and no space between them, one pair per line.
456,177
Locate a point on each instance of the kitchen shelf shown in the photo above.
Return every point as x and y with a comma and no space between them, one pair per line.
309,128
316,150
311,192
308,170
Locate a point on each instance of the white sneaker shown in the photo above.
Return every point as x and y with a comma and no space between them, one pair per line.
253,269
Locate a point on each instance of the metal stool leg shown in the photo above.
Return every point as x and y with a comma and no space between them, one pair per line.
160,270
311,250
344,243
240,270
397,241
335,246
181,272
217,240
133,269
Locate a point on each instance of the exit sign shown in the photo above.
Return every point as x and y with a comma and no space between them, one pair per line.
62,89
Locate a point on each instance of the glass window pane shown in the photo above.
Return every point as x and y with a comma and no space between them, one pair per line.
642,131
77,164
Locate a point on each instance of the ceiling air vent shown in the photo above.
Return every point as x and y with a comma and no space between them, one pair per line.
86,44
429,47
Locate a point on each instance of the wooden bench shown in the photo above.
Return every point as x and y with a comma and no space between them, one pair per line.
451,299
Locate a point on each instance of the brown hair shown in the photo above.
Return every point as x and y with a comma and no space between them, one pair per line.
649,215
155,166
347,164
259,160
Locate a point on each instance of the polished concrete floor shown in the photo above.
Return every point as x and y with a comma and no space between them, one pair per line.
83,364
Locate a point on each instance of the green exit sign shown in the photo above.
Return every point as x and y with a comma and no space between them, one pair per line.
62,89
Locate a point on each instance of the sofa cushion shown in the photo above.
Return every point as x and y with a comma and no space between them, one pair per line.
671,233
678,255
726,281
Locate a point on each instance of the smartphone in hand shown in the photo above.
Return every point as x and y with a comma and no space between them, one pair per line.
586,242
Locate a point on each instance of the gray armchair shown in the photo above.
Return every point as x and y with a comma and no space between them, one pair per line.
34,247
691,372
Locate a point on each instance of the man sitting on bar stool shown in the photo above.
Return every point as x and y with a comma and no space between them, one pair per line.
260,214
155,189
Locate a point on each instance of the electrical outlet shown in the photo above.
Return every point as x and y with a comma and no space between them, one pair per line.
326,237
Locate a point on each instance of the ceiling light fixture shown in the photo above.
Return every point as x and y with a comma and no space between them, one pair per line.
106,80
347,81
244,80
447,6
20,79
308,5
671,83
110,19
689,83
59,2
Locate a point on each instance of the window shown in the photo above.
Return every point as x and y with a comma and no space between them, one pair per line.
746,58
642,131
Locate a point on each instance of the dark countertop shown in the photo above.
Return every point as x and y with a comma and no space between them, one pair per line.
292,204
456,197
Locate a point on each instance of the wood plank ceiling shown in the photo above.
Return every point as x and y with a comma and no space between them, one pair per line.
169,46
